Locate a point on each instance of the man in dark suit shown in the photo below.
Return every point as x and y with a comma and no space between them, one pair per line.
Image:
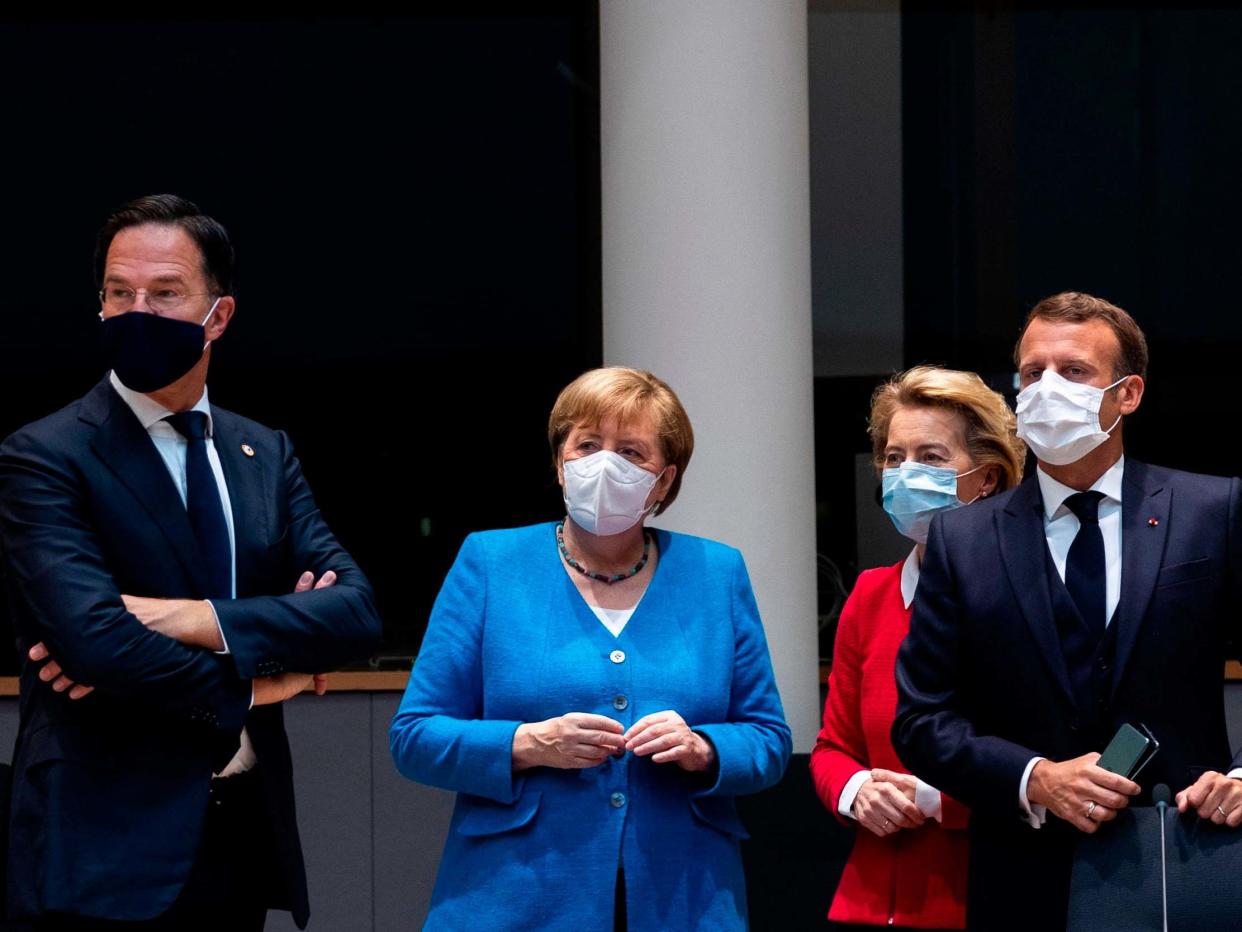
161,550
1100,591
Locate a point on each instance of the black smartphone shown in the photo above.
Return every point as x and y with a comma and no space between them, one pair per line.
1129,751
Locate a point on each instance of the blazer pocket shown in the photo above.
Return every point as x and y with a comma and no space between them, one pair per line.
720,812
1190,571
487,817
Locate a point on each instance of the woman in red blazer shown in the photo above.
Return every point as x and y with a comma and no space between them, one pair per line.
941,439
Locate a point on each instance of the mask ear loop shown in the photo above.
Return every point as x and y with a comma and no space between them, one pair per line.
205,319
964,475
1108,388
658,502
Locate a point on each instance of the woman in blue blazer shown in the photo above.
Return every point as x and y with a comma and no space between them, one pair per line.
597,693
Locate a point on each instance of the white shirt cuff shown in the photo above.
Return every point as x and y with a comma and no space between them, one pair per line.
1034,814
845,805
223,639
1235,774
927,798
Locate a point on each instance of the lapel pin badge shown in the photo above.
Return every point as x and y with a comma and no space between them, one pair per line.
1153,522
249,451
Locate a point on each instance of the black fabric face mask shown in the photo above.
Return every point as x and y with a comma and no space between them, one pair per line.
148,352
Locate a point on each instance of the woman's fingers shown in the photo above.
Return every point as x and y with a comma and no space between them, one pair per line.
604,739
591,720
659,737
884,808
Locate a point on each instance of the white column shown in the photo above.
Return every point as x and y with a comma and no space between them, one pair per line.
706,280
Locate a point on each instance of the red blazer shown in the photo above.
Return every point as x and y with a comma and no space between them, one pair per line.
915,877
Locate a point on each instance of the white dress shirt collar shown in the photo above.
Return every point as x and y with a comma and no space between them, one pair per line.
1055,493
149,411
910,577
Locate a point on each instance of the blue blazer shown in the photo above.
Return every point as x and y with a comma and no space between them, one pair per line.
110,791
511,640
984,685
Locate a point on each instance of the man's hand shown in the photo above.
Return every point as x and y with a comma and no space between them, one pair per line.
1080,792
51,673
306,582
269,690
1214,796
666,737
885,803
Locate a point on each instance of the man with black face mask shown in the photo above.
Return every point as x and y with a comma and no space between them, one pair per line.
172,583
1101,592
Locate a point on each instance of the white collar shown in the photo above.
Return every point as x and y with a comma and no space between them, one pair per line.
910,577
1055,493
149,411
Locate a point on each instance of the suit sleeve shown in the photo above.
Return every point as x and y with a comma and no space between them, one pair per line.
753,746
841,750
309,632
438,735
931,734
65,597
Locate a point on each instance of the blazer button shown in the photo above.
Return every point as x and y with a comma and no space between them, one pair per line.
619,703
617,656
617,800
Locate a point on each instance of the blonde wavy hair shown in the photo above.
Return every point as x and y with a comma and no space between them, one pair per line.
991,437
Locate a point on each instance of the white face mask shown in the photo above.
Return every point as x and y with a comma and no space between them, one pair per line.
605,493
1060,419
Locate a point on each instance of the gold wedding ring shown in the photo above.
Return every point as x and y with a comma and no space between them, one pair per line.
1091,809
1223,813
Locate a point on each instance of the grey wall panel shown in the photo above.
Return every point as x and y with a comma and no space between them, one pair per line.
410,824
331,740
857,265
1233,713
8,728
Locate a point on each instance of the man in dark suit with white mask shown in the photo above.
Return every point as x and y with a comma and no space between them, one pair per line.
1099,592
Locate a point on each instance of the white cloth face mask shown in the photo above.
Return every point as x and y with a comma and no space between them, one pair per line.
1060,420
605,493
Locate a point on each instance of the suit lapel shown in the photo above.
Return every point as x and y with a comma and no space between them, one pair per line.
1145,506
246,477
1023,547
126,449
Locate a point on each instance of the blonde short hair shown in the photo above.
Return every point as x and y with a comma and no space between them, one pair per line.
991,437
628,395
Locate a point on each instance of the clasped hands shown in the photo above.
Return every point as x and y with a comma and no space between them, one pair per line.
193,623
579,740
885,803
1086,795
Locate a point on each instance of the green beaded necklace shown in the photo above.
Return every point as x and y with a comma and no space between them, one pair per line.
602,577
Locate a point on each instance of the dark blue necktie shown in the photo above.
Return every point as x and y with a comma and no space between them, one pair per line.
1085,571
202,501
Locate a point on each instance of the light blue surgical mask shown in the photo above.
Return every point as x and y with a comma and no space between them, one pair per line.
914,493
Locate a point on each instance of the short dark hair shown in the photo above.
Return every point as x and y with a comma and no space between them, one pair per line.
1077,307
170,210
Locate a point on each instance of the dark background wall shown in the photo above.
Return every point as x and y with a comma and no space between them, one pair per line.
415,205
1092,151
